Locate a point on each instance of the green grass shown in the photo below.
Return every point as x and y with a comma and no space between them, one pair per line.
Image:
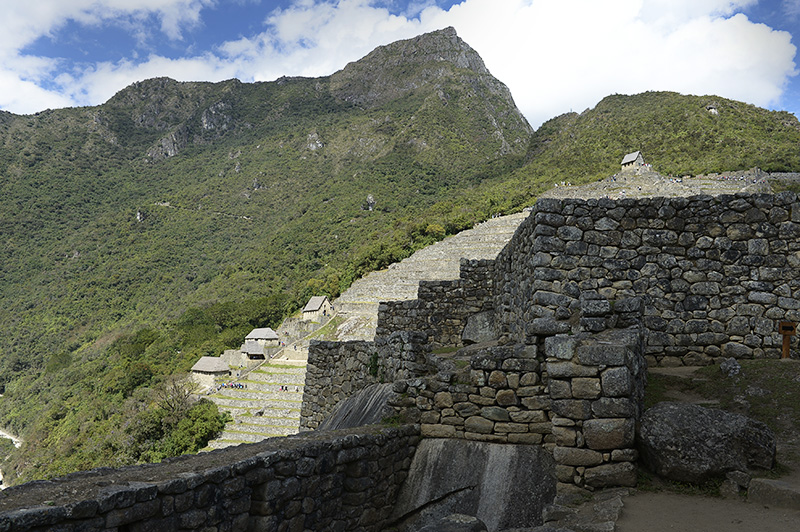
328,331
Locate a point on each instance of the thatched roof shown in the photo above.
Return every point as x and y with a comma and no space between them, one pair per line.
315,303
211,365
264,333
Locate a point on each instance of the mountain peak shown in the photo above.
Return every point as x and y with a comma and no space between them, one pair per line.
414,62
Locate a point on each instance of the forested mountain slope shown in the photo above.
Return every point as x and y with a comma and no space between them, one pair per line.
236,201
177,194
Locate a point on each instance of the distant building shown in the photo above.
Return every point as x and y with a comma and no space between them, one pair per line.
208,369
258,342
632,162
317,307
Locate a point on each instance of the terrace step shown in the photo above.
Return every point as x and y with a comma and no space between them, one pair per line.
437,262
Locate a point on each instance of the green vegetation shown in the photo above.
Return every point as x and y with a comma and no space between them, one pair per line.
161,226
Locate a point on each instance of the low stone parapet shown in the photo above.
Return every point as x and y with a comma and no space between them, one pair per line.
337,480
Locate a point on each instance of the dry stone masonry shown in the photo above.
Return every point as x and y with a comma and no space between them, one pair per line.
442,308
546,345
716,274
584,296
318,481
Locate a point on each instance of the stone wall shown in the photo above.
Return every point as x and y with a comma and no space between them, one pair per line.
580,397
596,385
338,480
338,370
442,308
716,274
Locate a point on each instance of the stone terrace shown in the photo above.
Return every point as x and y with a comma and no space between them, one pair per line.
440,261
262,410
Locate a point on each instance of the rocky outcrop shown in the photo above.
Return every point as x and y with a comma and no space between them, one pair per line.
691,443
456,523
505,486
367,407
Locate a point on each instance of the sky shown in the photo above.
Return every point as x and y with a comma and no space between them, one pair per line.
555,56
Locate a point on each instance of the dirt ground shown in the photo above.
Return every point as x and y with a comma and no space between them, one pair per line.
670,512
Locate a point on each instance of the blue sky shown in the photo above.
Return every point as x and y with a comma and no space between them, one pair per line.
555,55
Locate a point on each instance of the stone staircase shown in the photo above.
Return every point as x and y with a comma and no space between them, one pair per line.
261,410
439,261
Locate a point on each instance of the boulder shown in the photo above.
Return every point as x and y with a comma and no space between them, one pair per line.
366,407
691,443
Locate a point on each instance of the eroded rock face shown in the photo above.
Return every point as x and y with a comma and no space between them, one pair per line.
502,485
691,443
456,523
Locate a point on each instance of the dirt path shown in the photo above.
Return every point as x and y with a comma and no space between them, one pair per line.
668,512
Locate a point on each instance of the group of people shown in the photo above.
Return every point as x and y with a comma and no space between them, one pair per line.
236,385
285,388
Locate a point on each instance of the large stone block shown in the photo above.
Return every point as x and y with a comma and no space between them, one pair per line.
573,408
480,328
596,354
563,370
479,424
609,433
577,457
506,486
609,475
616,382
586,388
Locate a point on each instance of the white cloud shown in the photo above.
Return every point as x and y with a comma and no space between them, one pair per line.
555,55
792,8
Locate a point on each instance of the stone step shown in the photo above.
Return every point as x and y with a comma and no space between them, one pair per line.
219,443
272,396
440,261
253,437
280,368
238,411
256,404
298,374
262,428
265,420
264,387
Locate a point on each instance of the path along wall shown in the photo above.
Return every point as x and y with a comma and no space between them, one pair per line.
716,274
338,480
